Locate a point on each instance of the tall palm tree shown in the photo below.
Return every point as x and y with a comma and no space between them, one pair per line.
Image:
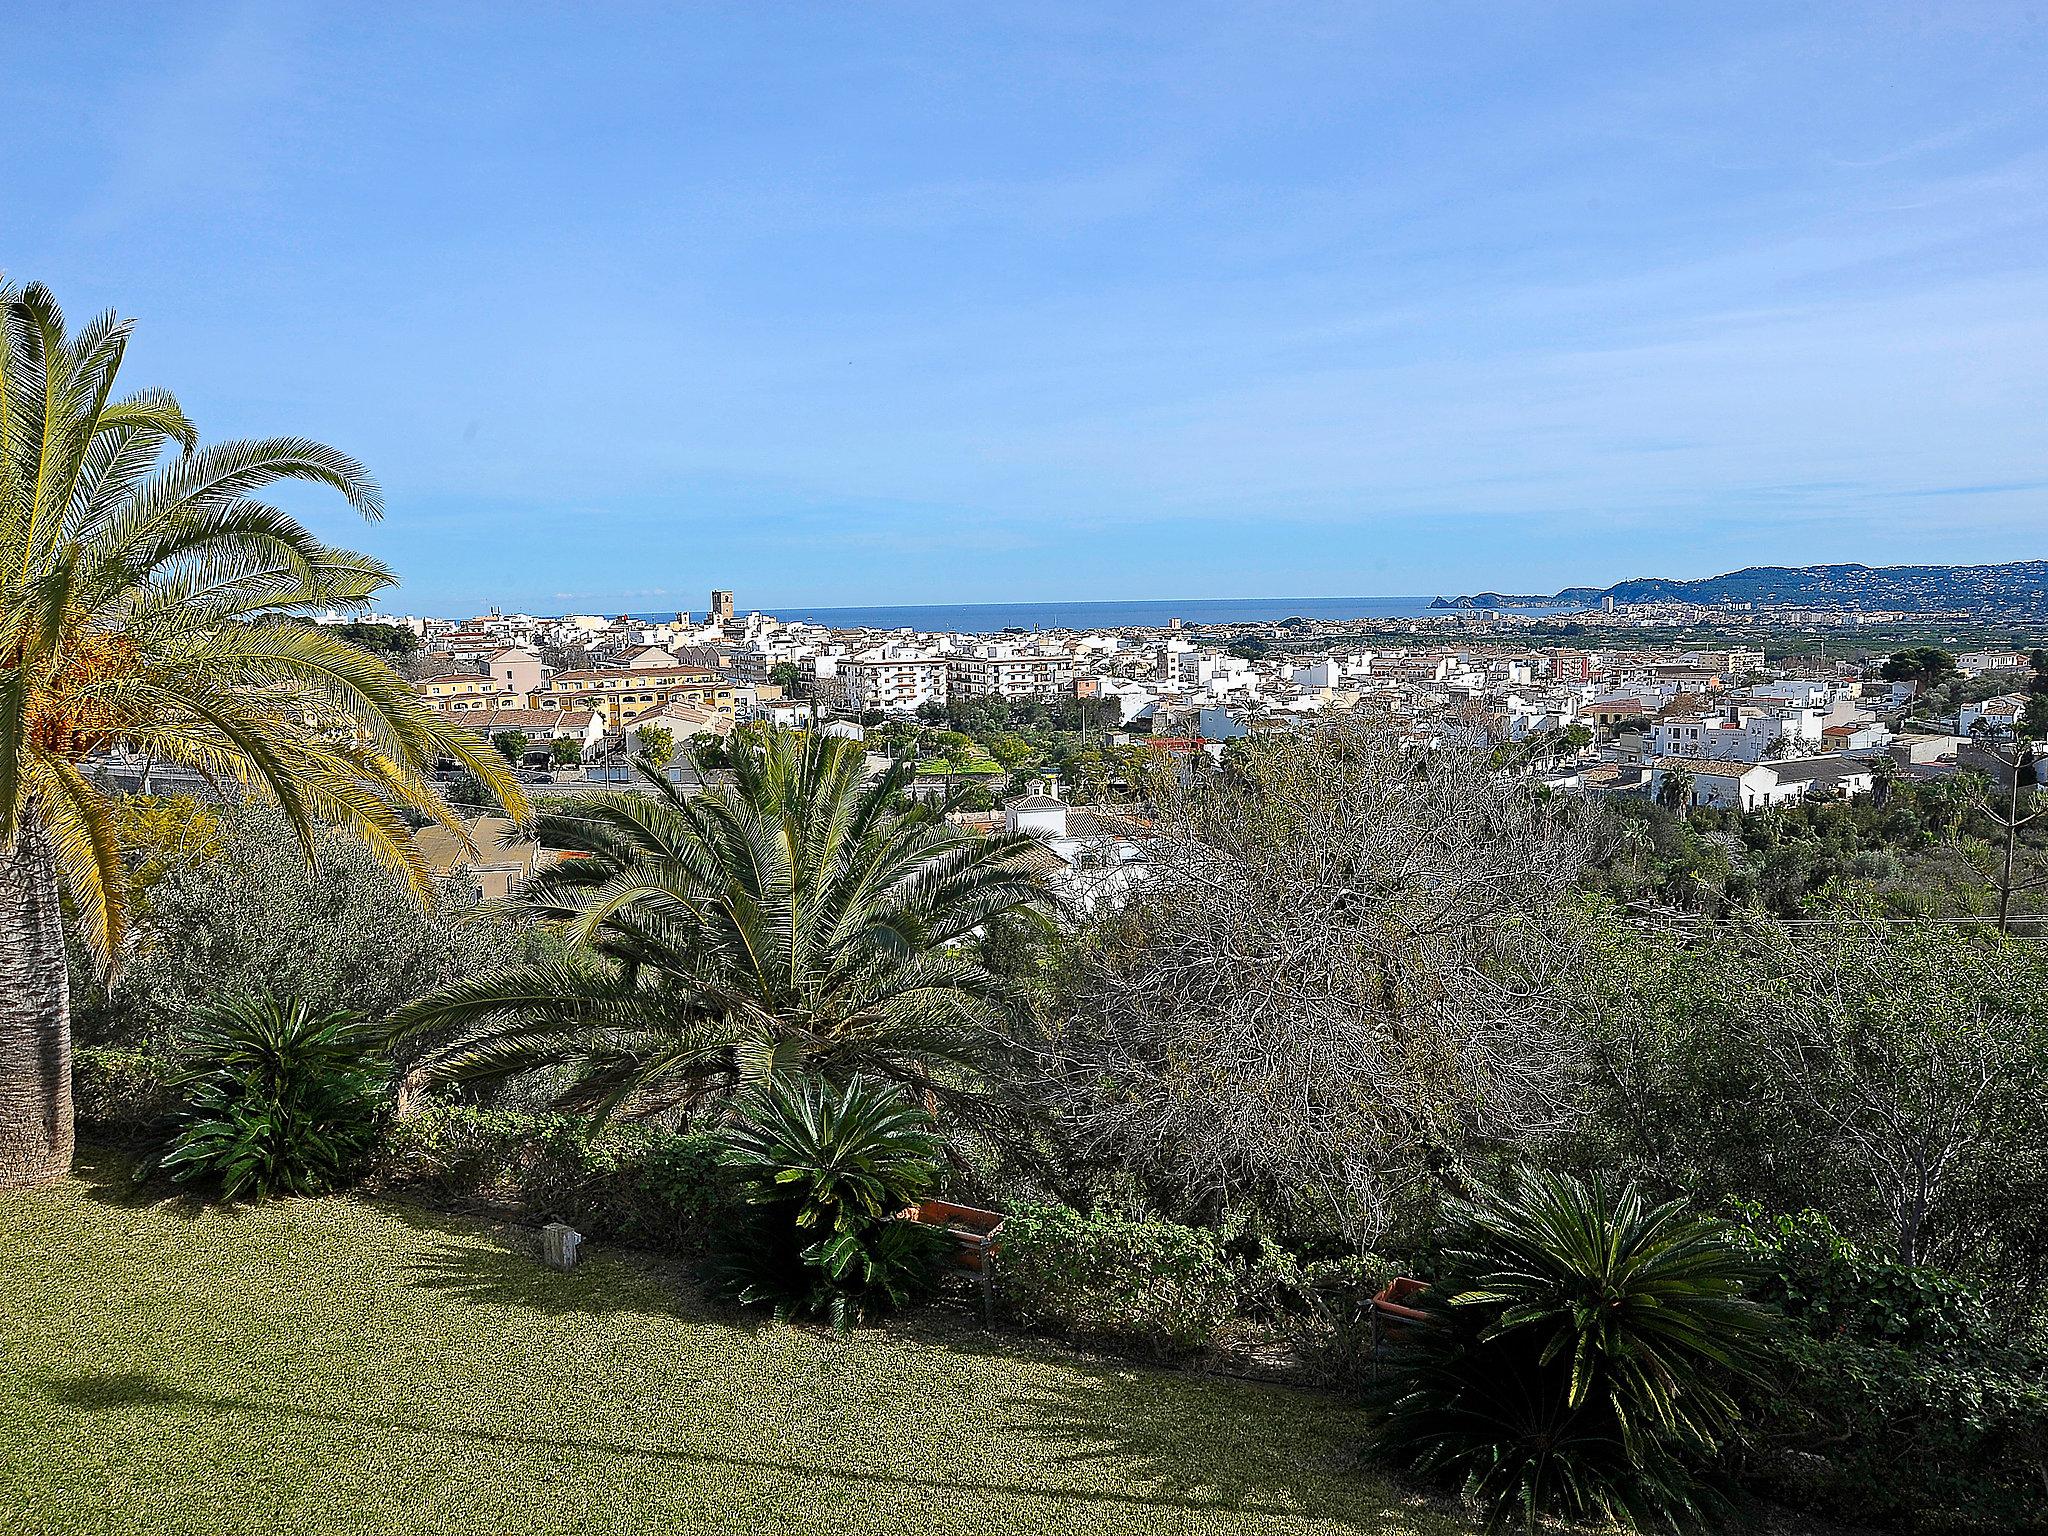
801,916
1675,790
1638,841
150,604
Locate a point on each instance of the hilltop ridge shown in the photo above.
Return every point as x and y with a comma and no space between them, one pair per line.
2019,586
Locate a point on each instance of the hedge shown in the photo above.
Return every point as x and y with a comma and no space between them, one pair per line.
1152,1287
630,1183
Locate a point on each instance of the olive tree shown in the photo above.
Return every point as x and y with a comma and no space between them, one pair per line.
255,916
1888,1073
1351,969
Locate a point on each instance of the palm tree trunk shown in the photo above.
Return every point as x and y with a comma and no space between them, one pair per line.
35,1016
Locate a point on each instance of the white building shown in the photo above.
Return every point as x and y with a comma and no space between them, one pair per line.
1008,671
1998,717
1752,786
1744,736
895,678
1086,861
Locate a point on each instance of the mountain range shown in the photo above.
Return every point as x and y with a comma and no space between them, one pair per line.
2019,586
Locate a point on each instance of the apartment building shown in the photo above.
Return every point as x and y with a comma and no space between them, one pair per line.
622,694
469,692
1008,673
1745,736
895,679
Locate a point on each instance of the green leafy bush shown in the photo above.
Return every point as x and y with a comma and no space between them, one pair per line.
278,1099
248,913
826,1169
1875,1433
1579,1360
1327,1316
1897,1397
1832,1287
123,1095
1151,1287
629,1183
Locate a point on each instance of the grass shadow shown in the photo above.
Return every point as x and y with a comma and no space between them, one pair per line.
1214,1441
132,1391
129,1180
491,1260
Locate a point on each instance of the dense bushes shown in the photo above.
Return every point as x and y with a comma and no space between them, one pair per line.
251,915
1148,1286
1897,1396
123,1093
1890,1076
630,1183
1324,1310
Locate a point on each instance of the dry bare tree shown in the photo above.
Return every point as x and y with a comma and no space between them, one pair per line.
1353,962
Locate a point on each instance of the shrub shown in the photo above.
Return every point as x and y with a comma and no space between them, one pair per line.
1830,1286
1876,1433
124,1095
1897,1397
279,1099
1151,1287
1579,1358
827,1168
1328,1317
630,1183
253,916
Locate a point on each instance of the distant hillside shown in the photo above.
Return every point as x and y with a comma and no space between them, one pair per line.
2021,586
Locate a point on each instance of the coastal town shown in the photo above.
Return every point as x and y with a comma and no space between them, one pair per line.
1769,718
1273,771
1750,727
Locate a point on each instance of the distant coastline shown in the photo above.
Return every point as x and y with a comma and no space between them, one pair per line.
2016,586
993,618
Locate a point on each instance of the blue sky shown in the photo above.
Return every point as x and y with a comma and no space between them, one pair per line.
900,303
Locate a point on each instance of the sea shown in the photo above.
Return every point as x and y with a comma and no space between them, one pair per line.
994,618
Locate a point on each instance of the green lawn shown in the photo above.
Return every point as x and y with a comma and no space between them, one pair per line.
341,1366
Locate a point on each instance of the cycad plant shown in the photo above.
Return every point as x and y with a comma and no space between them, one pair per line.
279,1099
827,1168
804,916
152,604
1579,1359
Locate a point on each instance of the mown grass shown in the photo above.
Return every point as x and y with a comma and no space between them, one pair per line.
341,1366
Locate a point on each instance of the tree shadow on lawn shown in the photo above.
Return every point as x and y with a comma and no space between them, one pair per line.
1220,1457
127,1178
1187,1440
498,1262
1205,1439
494,1261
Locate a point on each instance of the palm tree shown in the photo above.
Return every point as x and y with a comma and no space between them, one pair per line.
1638,840
1581,1357
1675,789
1884,772
150,605
802,916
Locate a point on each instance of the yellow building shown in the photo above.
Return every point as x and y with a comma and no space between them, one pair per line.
462,692
623,694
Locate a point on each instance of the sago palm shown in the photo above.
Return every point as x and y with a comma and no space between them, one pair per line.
150,604
802,916
1580,1356
826,1168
